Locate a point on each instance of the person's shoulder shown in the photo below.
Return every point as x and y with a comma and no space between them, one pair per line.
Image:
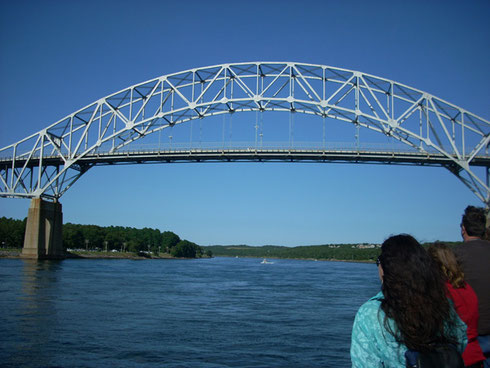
474,243
477,244
371,307
481,241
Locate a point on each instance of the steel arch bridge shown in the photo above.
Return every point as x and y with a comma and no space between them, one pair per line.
430,130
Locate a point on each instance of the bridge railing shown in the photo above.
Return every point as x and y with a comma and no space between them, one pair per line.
247,145
279,145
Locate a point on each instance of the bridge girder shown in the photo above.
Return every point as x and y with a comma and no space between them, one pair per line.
47,163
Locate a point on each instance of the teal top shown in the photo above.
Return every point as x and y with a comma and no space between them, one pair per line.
373,346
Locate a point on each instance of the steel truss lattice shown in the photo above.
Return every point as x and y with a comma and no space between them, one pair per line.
47,163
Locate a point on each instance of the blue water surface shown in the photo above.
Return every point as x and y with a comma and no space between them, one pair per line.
219,312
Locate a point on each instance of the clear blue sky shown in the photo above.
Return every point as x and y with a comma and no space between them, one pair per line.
58,56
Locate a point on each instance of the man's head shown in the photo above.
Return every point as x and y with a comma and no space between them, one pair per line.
474,222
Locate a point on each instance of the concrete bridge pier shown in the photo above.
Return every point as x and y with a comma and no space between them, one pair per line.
43,237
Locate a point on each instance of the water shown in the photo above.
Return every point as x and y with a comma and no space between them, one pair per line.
220,312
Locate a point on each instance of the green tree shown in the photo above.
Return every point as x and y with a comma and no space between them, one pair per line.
169,240
94,234
133,246
12,232
73,236
185,249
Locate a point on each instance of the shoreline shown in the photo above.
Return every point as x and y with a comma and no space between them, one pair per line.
16,253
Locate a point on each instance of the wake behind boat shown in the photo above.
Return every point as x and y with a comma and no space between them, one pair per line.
265,261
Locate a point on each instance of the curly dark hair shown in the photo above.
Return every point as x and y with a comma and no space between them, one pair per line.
414,295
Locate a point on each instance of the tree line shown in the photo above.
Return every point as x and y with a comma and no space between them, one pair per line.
109,238
320,252
343,252
92,237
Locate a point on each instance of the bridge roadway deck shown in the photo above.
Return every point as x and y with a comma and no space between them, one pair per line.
248,155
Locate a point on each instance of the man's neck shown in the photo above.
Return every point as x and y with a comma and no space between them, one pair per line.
468,238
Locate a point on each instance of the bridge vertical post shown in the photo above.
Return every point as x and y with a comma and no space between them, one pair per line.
43,237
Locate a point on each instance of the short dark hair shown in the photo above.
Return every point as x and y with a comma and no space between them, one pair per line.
474,221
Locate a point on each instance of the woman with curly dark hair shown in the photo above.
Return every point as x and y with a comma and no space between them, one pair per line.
411,312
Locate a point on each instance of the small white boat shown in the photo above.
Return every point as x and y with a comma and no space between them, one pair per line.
265,261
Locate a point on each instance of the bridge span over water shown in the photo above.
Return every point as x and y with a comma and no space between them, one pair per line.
353,117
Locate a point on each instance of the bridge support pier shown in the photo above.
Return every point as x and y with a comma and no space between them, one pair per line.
43,237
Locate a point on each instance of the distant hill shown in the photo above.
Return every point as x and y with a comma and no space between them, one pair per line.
356,252
341,252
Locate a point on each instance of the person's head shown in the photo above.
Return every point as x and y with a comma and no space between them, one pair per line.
414,294
473,224
448,264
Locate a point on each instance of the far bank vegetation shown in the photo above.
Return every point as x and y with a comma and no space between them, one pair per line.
93,238
153,242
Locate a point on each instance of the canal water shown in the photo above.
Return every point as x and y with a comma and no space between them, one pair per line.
219,312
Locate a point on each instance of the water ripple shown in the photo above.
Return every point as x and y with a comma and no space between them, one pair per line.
212,313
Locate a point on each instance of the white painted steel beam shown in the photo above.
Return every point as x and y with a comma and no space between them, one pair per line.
48,163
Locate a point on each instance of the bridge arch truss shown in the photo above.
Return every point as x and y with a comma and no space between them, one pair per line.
433,131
